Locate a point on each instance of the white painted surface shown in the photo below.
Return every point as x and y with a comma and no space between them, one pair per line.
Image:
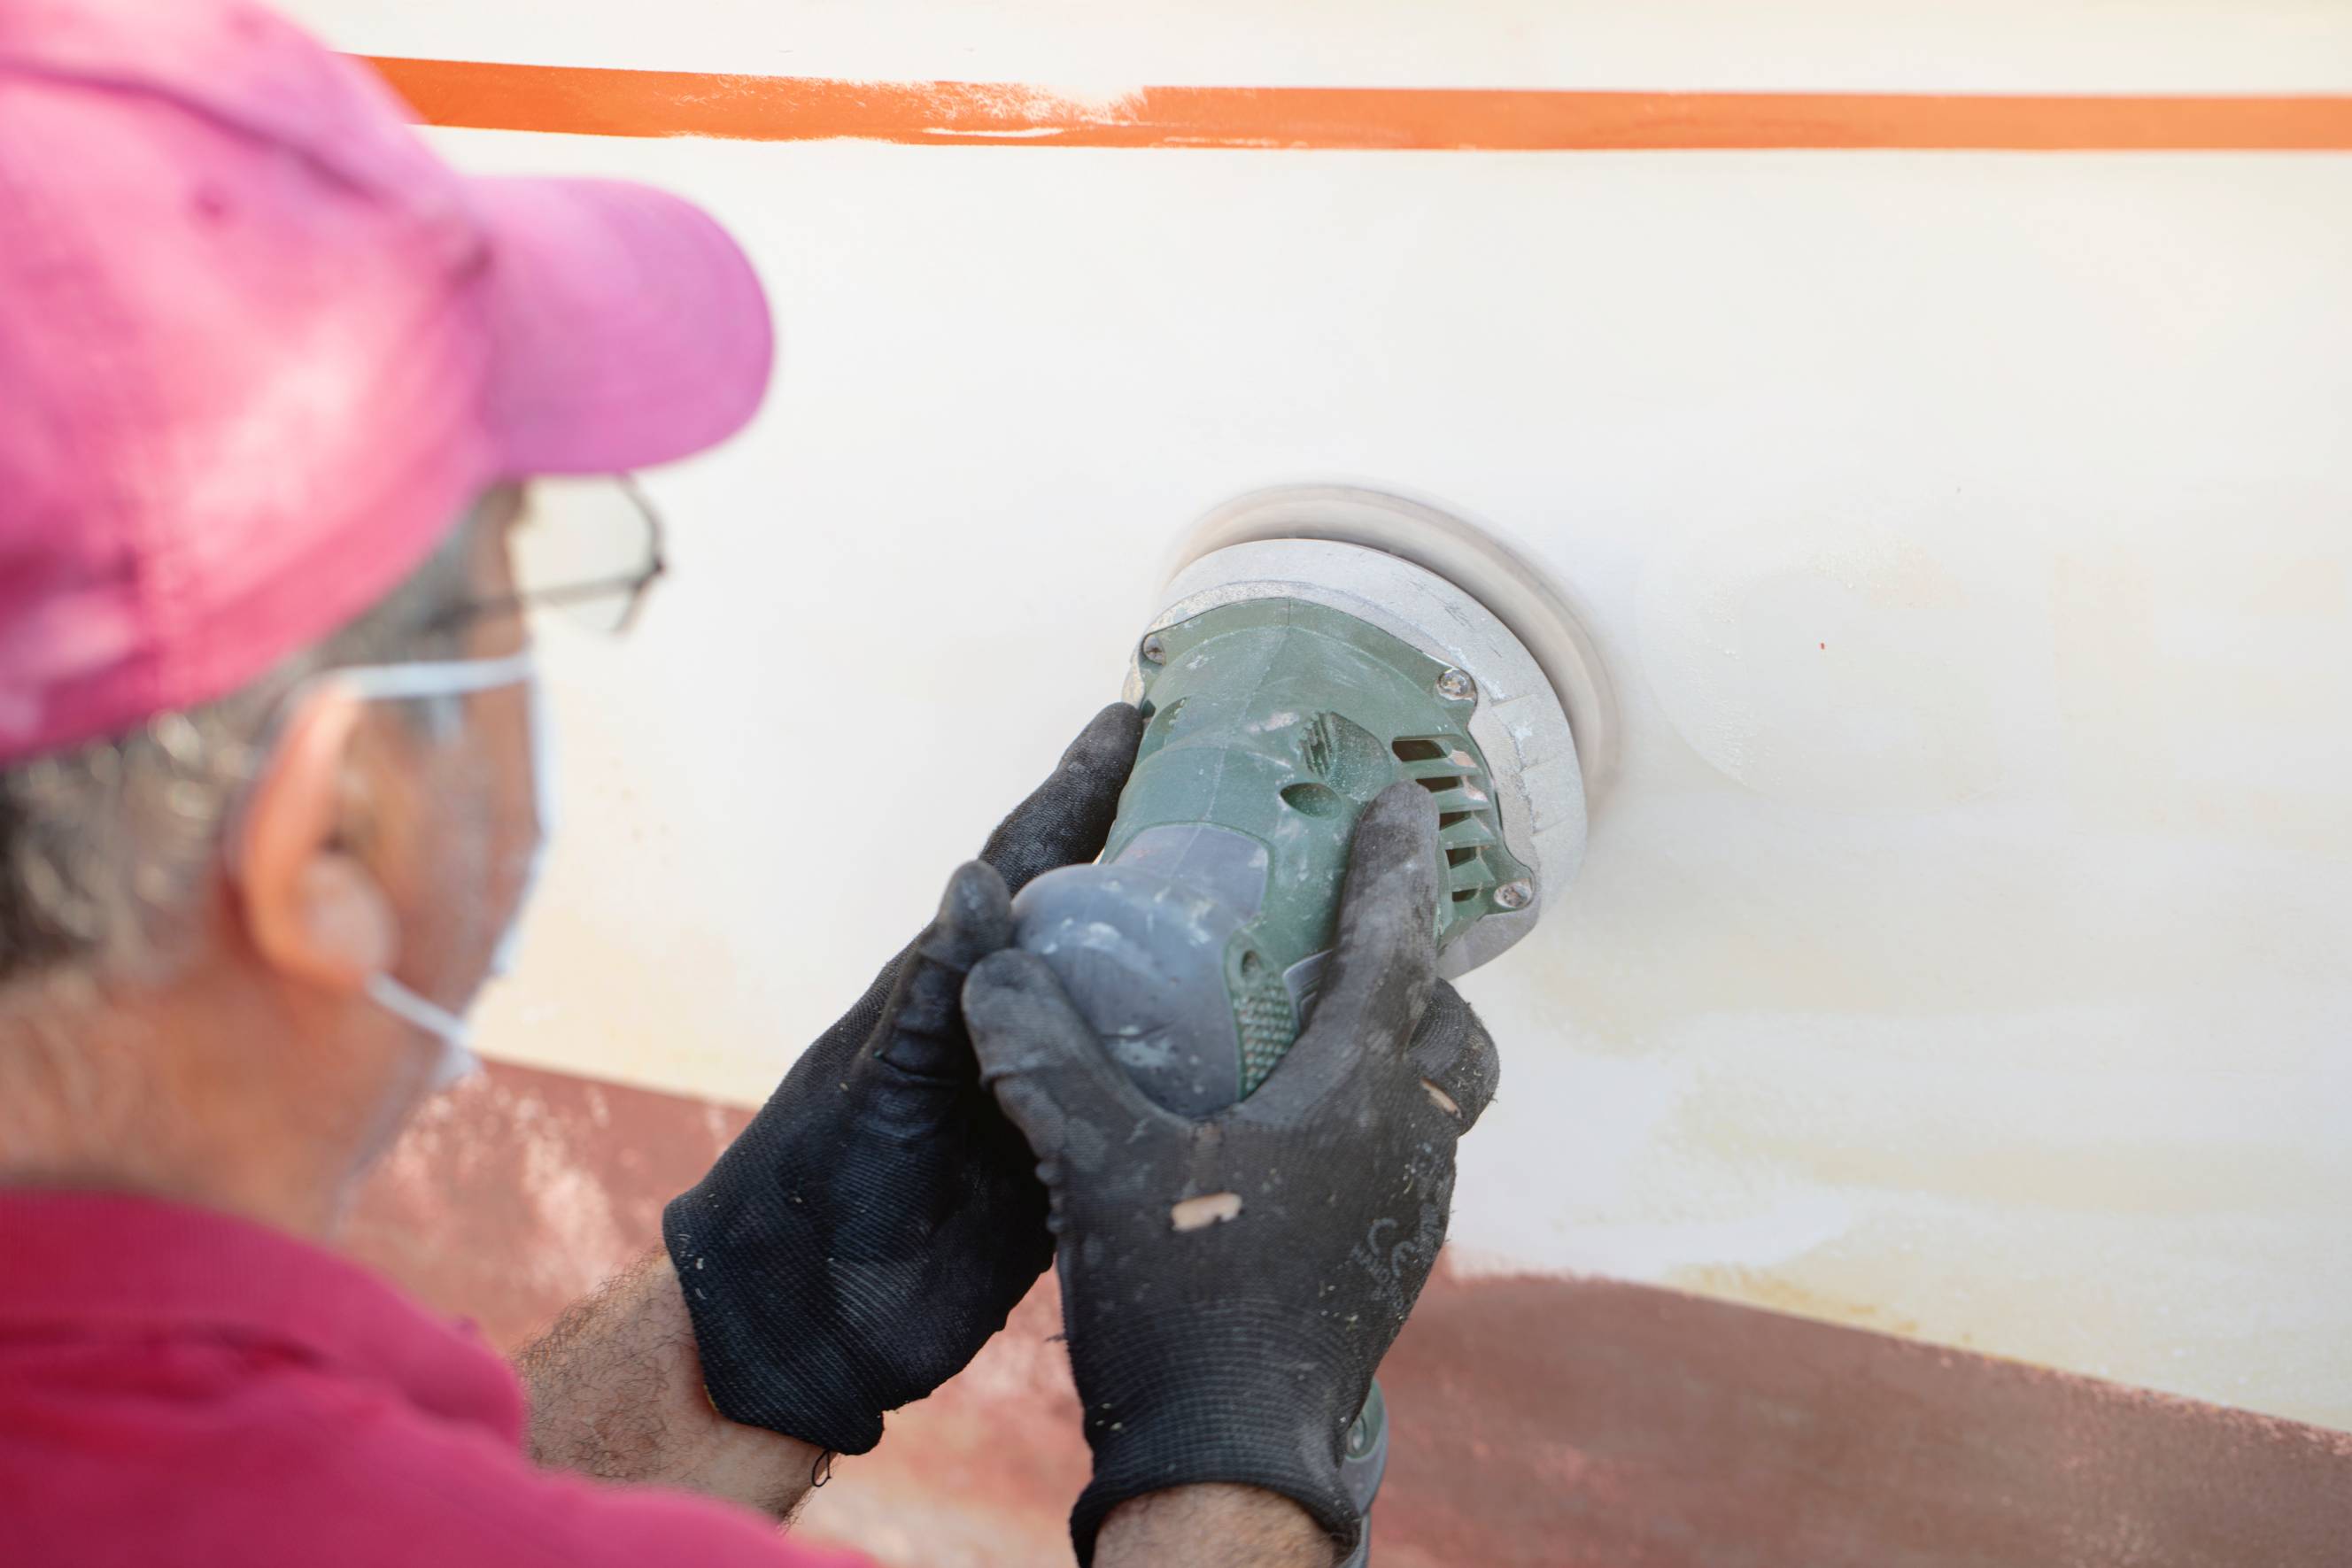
1962,947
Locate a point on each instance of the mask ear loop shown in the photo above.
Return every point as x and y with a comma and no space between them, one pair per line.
435,678
396,997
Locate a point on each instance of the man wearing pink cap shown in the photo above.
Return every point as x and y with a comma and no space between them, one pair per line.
271,794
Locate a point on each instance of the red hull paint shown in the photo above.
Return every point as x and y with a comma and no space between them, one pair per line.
1539,1420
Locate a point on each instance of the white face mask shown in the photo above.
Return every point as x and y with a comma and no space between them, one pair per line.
463,677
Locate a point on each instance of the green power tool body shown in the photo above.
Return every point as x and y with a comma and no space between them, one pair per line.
1285,684
1194,946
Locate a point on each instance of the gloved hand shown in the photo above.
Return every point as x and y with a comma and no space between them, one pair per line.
876,1223
1229,1285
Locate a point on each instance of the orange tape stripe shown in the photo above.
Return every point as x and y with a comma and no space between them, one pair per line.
603,102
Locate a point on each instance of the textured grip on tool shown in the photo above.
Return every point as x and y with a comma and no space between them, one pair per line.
1238,1392
1268,1027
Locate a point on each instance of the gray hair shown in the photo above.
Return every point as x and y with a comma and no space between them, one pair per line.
106,850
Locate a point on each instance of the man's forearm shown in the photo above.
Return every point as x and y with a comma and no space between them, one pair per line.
617,1393
1212,1527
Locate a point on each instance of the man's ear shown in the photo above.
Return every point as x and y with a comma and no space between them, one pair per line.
312,908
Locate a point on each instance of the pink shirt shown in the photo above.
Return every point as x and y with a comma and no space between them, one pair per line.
178,1387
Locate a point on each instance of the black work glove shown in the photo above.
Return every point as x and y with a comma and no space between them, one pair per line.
1240,1349
876,1223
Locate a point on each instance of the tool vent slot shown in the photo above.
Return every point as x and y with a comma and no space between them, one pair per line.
1467,825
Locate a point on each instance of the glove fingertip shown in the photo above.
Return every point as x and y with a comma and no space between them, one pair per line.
1038,1052
1066,818
1384,956
1110,736
1008,969
1454,1051
1001,991
1396,834
975,916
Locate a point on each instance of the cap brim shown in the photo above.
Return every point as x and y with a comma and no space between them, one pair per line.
628,327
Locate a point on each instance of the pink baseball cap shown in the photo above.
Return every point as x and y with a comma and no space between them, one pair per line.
260,348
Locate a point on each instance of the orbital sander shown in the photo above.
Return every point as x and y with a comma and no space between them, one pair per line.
1314,646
